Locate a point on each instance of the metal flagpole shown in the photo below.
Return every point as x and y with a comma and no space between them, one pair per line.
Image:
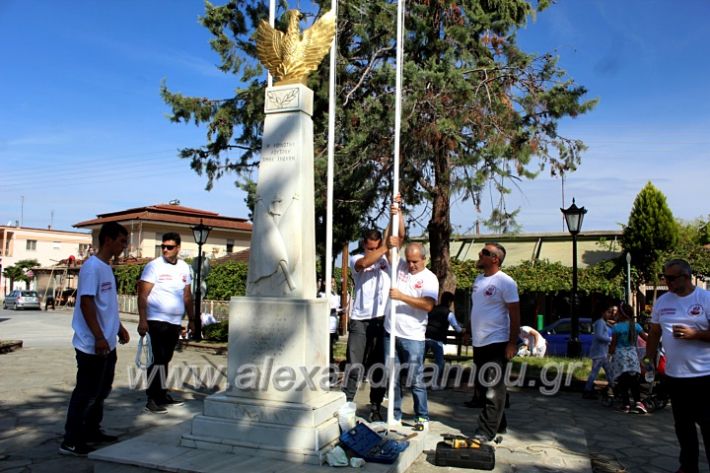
331,160
272,22
394,253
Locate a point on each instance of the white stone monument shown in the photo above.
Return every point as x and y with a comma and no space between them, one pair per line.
278,403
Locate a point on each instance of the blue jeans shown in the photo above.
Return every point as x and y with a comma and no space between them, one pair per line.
437,348
597,364
408,366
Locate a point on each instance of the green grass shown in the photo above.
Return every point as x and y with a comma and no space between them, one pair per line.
534,366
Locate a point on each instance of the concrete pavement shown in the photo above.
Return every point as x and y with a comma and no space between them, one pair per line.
547,433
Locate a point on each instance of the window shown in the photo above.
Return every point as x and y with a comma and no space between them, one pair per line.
31,245
83,249
158,242
230,246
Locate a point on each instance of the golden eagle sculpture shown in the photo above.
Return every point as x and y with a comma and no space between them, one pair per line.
290,57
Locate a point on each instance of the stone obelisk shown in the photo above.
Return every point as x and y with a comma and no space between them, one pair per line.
278,402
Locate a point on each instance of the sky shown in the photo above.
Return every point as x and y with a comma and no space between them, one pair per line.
83,130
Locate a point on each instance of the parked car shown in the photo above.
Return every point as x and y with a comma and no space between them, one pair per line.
18,299
557,335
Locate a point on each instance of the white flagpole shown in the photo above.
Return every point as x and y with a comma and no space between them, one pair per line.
331,161
394,253
272,22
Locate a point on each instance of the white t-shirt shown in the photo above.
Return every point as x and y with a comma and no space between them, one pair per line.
526,333
372,287
165,301
96,279
411,322
333,300
684,358
490,320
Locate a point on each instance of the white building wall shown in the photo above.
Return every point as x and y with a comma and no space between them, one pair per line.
48,247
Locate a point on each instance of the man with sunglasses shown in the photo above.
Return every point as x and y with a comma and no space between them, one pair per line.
495,324
681,320
163,297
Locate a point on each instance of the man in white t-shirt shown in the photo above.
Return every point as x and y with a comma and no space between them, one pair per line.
415,294
96,326
365,349
164,296
681,320
495,324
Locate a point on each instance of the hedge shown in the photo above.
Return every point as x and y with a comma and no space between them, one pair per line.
606,278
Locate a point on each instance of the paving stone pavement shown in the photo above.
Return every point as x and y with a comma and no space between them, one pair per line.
547,433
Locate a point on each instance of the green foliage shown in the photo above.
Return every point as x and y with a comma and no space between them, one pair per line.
127,277
218,332
477,113
465,272
692,238
650,232
17,272
227,280
546,277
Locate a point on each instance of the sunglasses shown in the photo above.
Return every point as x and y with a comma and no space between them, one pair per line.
487,252
669,277
168,247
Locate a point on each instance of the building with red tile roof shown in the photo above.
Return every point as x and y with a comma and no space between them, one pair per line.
146,226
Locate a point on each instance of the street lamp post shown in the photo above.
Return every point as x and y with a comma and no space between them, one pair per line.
200,232
573,217
628,278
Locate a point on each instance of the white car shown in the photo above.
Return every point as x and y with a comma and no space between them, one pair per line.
18,299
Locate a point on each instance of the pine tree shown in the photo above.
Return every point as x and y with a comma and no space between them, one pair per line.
477,111
650,232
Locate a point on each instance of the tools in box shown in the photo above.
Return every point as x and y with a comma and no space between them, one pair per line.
371,446
464,452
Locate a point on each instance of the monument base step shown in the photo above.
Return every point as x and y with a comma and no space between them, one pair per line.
161,450
296,432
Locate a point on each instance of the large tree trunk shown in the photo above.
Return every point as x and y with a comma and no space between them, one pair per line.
440,225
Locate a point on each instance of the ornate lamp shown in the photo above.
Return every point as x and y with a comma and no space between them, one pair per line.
573,218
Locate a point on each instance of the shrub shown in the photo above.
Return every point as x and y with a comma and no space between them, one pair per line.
218,332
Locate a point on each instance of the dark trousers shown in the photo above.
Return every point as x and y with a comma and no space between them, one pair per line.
366,347
629,382
490,363
689,400
163,338
94,378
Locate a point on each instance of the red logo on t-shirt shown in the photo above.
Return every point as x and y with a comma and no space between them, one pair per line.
490,290
695,310
418,284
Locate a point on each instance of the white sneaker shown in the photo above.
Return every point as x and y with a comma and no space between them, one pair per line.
395,424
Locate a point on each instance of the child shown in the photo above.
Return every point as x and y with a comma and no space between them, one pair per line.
625,361
599,353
